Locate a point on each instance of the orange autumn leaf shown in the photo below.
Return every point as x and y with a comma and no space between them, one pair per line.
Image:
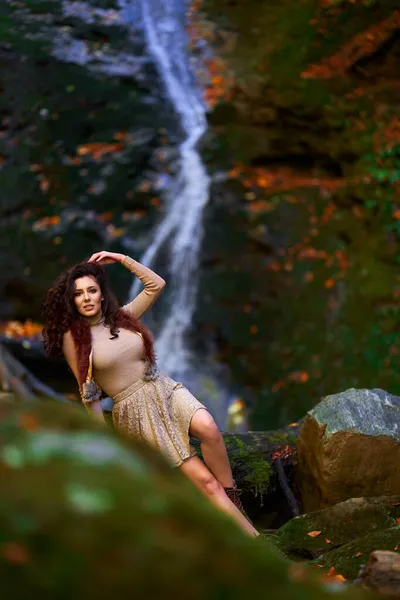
396,548
120,135
398,520
308,276
299,376
28,422
331,574
293,424
97,149
14,553
327,541
260,206
297,572
44,184
358,554
329,283
106,216
145,186
277,386
314,533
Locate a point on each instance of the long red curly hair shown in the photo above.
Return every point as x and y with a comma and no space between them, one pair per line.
61,315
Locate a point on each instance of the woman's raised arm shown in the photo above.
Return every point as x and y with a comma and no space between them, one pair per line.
153,283
153,286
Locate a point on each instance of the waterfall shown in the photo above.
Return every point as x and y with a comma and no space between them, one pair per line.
181,226
180,231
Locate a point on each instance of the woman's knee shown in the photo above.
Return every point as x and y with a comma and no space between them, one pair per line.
210,485
204,428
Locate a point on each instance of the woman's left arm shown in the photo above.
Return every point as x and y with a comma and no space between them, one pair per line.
153,286
153,283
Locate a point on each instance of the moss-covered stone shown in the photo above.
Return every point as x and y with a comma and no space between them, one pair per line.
83,515
337,525
347,559
259,470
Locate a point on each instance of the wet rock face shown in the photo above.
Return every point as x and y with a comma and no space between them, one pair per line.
349,446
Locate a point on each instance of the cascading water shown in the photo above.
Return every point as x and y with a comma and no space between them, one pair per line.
180,232
182,224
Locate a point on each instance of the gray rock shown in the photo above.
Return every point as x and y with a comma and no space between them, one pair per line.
371,412
349,446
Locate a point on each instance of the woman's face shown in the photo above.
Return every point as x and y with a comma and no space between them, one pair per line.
87,296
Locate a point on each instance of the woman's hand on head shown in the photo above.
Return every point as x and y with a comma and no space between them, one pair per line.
106,258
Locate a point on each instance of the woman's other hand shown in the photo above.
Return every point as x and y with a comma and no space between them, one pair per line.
106,258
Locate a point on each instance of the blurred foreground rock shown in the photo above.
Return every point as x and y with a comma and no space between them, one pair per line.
349,446
84,515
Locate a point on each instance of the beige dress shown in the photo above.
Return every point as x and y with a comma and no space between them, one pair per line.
159,411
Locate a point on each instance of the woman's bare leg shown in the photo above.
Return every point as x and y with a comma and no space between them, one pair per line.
204,429
205,481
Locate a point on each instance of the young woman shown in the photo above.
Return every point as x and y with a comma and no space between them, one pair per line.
107,348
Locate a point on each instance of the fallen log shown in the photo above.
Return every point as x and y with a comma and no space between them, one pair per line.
382,574
17,379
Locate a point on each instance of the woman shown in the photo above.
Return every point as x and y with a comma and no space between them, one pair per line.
84,322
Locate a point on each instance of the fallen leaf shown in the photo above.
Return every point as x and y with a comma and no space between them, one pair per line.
314,533
329,283
396,548
297,572
14,553
327,541
398,520
331,574
28,422
44,184
358,554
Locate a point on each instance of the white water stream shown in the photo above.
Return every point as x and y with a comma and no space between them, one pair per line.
181,226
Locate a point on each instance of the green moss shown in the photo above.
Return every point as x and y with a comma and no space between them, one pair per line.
348,559
340,524
334,318
260,470
98,515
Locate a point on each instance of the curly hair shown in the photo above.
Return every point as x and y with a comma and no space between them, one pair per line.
59,309
60,313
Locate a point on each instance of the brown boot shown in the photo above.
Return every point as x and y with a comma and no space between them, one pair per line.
233,494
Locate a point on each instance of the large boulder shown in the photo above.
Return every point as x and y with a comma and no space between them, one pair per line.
349,446
85,515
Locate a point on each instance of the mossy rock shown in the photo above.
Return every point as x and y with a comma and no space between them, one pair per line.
340,524
83,515
348,559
